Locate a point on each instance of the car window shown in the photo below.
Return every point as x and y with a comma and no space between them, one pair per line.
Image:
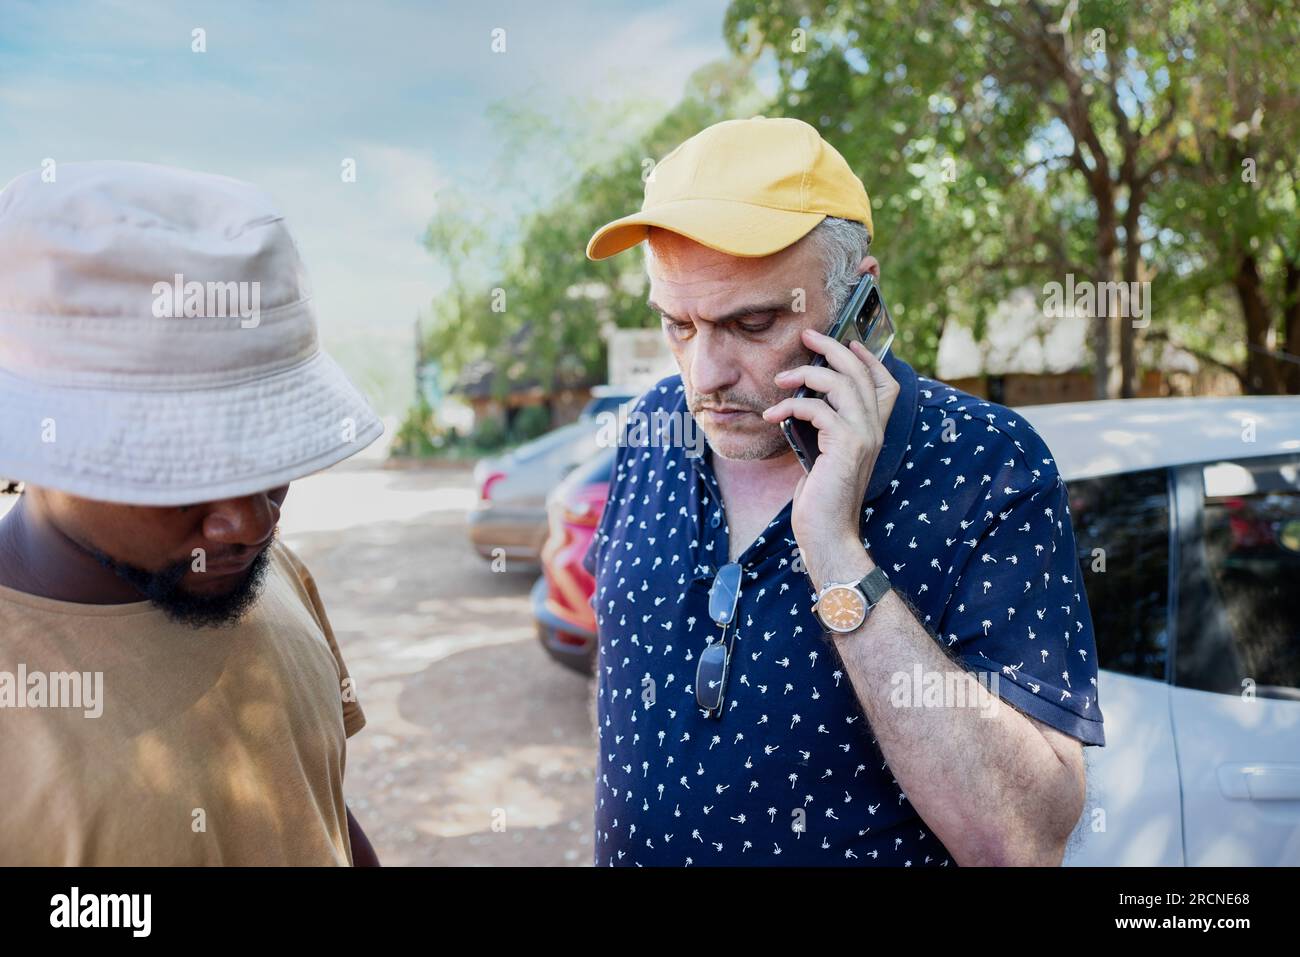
1121,529
552,441
1244,625
606,403
559,448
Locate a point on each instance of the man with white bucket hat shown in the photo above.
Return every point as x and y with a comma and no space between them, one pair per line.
170,688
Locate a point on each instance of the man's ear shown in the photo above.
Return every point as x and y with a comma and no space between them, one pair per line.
870,264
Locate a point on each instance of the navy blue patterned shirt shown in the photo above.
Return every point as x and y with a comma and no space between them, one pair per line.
968,516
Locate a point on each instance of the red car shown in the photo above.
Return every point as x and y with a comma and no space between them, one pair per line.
561,598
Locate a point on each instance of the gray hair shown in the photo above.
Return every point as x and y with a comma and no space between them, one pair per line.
842,244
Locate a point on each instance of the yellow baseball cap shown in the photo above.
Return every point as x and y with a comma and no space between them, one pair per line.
743,187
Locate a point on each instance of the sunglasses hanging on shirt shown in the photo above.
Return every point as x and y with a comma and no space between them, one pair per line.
715,659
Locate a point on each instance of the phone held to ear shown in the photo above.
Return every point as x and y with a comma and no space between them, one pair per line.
865,317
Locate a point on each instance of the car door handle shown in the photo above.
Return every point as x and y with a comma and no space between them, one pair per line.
1260,782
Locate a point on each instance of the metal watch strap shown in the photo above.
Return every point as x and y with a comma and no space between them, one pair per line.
875,585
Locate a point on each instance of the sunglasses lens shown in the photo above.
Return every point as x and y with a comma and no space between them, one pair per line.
724,593
710,675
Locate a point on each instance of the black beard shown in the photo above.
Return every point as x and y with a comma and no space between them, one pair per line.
162,589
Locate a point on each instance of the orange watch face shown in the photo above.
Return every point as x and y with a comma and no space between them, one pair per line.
842,608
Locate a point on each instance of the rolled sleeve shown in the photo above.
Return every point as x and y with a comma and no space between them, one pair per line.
1020,611
354,718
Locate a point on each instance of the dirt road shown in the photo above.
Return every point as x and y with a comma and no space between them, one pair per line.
478,748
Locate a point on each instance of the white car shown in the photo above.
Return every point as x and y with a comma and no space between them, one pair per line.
1187,518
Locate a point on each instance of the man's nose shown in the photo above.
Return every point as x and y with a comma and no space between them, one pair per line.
713,369
247,521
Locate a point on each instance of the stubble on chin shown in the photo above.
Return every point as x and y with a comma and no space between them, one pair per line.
757,438
749,445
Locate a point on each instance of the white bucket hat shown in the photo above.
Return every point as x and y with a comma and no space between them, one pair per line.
158,340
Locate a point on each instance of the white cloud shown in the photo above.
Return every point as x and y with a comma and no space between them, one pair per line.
285,92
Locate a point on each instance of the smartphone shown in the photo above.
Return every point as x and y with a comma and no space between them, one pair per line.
865,317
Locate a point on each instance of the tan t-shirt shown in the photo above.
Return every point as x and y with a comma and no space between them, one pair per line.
211,746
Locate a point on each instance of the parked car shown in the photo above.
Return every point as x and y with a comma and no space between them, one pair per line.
561,597
511,511
1186,515
606,398
1187,518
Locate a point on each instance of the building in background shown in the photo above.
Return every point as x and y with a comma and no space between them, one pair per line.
1023,357
503,387
638,358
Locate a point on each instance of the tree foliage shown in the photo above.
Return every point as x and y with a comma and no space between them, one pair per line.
548,285
1070,132
1003,144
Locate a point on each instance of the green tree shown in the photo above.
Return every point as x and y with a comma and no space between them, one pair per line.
1230,244
541,276
1057,125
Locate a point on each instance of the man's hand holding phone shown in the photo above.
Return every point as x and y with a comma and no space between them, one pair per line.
859,395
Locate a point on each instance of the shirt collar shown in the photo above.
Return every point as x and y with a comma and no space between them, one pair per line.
898,431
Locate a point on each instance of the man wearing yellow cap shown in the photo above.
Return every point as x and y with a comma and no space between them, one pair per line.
812,668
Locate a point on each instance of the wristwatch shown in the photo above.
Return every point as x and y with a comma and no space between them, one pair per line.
842,607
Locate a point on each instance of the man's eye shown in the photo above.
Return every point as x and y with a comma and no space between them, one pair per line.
755,327
681,328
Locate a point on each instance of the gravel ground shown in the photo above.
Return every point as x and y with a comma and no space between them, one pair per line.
478,749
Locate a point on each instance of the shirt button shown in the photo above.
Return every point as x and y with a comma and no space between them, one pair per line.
716,520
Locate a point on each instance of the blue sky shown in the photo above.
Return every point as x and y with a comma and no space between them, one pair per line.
286,91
